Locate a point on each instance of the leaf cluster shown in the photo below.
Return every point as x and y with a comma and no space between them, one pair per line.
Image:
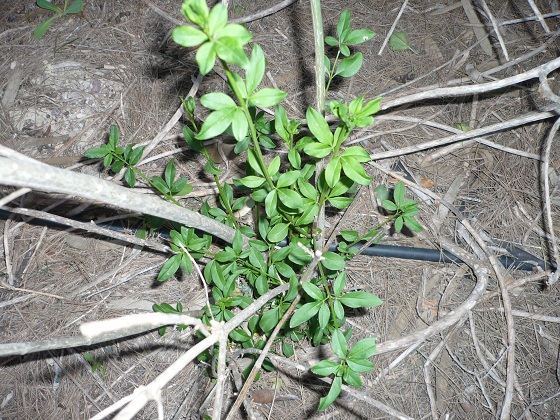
77,6
285,193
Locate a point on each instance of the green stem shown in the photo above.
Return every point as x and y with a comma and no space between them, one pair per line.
333,69
252,129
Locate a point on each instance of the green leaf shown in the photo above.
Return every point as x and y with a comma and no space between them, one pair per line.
278,232
267,97
307,190
216,101
96,152
117,166
412,224
372,107
287,349
217,18
188,36
169,172
130,177
269,319
325,367
363,349
333,261
333,394
313,291
253,162
274,166
350,235
308,215
317,150
239,335
294,158
324,315
239,125
44,27
181,187
389,205
47,5
329,40
255,70
136,155
169,268
349,66
381,193
332,171
358,36
360,365
271,204
290,198
399,224
399,194
343,25
319,127
261,285
216,123
211,168
252,181
230,50
206,58
352,378
340,202
358,153
237,32
75,8
305,313
360,300
399,41
287,179
338,310
339,283
196,11
281,122
339,344
355,171
237,244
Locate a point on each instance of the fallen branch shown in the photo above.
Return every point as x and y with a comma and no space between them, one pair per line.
21,171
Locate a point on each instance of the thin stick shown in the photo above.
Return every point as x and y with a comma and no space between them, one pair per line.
495,26
13,196
537,12
469,90
515,122
547,206
393,27
90,227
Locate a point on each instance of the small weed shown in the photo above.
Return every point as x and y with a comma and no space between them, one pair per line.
68,9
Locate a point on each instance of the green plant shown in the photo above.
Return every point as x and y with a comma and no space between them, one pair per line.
67,9
351,363
286,196
398,41
117,158
96,363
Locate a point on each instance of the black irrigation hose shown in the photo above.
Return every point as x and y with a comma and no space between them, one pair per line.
519,259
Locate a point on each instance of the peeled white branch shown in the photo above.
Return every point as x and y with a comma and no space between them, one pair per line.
20,171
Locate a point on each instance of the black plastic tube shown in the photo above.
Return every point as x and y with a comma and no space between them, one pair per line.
520,260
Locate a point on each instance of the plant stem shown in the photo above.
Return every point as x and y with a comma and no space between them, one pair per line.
252,129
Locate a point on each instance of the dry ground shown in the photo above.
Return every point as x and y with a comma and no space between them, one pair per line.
117,65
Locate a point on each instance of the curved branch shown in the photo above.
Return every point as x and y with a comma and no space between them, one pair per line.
456,91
